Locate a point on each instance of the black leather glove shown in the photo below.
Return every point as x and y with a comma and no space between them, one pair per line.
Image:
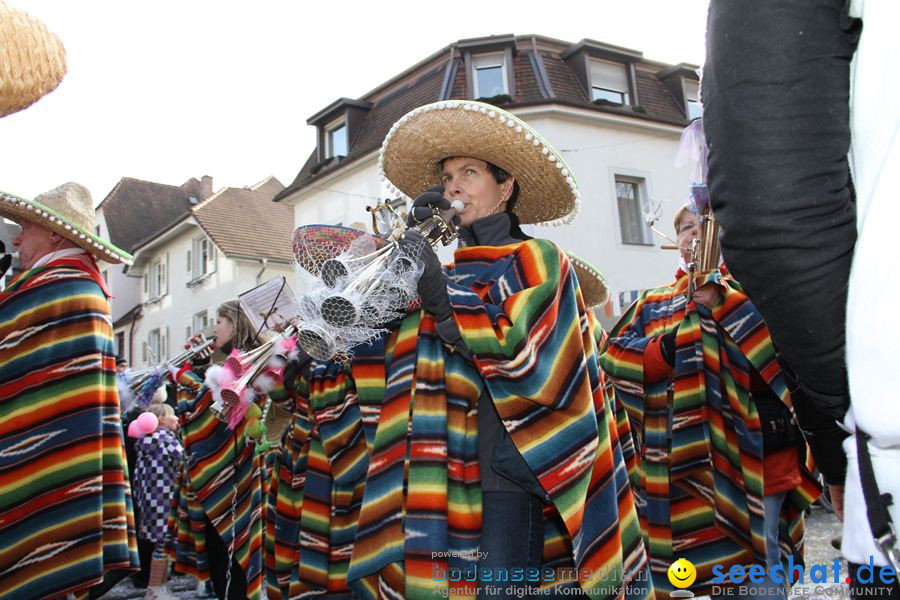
5,259
823,434
667,347
421,206
294,367
432,286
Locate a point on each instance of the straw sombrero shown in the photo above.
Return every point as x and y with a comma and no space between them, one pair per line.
32,60
592,282
422,138
68,211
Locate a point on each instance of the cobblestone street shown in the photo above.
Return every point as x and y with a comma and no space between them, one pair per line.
821,526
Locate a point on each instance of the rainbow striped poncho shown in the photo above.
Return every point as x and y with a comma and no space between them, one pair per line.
392,447
318,476
221,471
66,519
698,473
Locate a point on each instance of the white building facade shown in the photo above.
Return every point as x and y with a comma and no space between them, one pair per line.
199,249
184,277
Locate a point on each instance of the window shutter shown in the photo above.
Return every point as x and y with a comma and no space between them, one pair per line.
144,352
164,275
164,343
188,329
147,283
190,266
211,254
609,75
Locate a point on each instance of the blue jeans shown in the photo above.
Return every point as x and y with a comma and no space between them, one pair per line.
512,536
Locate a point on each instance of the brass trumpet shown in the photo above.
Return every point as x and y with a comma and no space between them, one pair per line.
705,251
137,379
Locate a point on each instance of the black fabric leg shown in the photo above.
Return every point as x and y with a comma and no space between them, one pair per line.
217,552
776,114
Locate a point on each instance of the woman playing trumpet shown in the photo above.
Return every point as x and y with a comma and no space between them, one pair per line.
217,521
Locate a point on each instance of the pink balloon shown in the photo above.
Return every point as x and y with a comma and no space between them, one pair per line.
146,423
133,431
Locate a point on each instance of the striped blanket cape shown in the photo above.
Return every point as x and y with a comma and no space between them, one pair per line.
698,473
66,519
396,439
221,471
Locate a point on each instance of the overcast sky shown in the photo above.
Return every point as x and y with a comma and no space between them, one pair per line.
168,90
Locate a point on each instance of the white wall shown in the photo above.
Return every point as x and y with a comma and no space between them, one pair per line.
597,151
342,199
176,308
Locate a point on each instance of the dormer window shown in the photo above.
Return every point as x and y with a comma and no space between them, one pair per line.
609,81
336,126
336,139
693,107
490,75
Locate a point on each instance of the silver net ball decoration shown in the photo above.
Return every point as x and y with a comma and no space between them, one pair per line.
352,283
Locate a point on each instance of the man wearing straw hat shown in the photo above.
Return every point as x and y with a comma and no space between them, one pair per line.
511,460
66,523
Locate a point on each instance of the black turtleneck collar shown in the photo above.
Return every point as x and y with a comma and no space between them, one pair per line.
493,230
227,347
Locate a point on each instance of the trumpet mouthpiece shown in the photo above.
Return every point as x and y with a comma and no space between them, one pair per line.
457,205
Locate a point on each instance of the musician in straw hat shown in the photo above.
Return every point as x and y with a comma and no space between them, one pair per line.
66,523
496,373
714,488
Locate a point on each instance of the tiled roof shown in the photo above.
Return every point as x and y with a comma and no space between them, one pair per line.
137,210
245,221
562,80
654,98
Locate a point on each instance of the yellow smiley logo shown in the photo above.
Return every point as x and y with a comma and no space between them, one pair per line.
682,573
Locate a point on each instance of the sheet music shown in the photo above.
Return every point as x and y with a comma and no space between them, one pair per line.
258,302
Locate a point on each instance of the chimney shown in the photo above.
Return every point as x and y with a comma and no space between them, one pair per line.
206,189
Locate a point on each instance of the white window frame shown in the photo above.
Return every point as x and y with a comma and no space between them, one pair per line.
158,278
120,336
330,130
157,345
693,107
607,85
199,321
203,257
640,183
490,61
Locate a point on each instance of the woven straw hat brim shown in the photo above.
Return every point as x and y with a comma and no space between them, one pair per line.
32,60
593,284
277,420
15,208
548,193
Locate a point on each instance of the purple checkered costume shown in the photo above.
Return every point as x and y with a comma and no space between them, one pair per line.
156,467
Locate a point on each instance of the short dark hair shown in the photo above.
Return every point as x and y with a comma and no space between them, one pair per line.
500,176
